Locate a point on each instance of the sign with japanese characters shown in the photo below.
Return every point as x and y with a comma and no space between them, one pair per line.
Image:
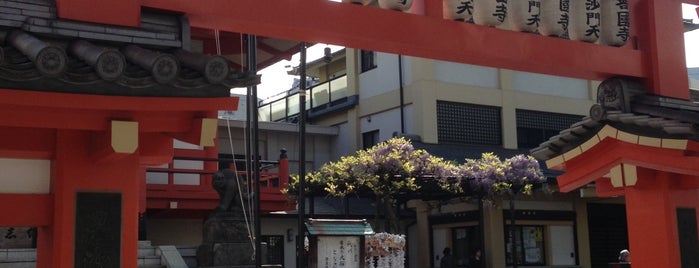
17,237
339,251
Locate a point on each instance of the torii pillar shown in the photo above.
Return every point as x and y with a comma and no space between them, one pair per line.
98,148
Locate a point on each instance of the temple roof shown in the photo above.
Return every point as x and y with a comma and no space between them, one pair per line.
40,51
629,111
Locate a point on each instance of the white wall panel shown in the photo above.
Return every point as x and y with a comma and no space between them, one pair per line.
382,79
386,122
25,176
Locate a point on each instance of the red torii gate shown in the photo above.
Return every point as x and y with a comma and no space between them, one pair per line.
655,54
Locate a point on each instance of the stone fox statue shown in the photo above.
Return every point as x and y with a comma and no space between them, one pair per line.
224,182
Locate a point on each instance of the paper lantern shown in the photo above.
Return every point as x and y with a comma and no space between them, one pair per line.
554,17
615,23
362,2
524,16
585,20
489,12
458,9
400,5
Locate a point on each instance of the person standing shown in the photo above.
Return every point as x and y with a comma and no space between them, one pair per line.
447,260
475,260
625,256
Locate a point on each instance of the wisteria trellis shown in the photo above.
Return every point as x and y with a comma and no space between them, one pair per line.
394,166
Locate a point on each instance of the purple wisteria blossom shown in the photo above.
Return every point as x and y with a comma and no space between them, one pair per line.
394,166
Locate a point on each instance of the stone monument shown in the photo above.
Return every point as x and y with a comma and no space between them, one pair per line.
227,238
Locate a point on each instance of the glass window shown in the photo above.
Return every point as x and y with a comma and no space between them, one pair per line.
529,245
370,139
368,60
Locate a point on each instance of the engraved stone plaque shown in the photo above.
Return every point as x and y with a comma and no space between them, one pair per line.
98,230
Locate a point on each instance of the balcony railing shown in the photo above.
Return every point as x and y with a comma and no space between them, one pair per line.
320,96
185,183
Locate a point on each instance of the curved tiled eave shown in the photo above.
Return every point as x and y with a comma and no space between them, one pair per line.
648,116
580,146
636,128
609,151
63,68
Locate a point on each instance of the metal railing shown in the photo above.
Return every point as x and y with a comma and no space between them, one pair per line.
320,95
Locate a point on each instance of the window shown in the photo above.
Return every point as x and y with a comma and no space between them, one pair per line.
368,60
468,123
465,242
369,139
275,249
535,127
529,245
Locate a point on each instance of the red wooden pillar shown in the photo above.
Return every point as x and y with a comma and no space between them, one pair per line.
75,170
668,67
44,246
652,223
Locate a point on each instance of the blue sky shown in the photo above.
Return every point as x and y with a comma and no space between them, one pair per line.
275,79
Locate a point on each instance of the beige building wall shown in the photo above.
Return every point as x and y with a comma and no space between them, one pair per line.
508,90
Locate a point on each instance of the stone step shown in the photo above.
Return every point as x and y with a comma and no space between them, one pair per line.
149,261
17,264
143,252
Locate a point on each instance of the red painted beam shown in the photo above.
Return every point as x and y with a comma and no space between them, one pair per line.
688,182
122,12
33,109
27,143
26,209
604,188
100,102
356,26
597,161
